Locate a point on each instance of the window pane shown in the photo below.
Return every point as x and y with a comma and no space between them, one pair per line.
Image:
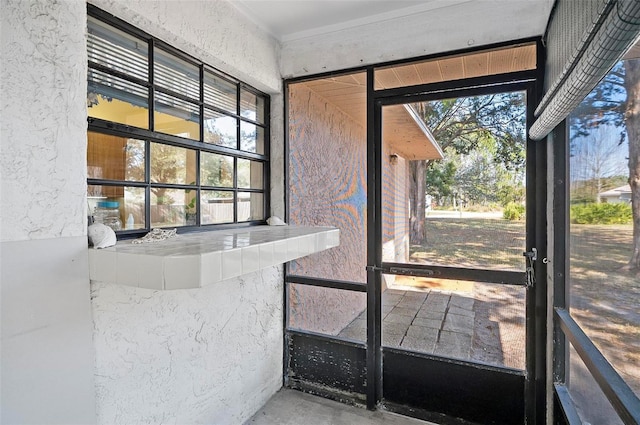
250,206
176,74
252,106
170,207
114,99
216,206
114,158
134,201
216,170
105,203
250,174
604,292
171,164
117,50
335,312
130,203
177,117
251,138
220,93
220,129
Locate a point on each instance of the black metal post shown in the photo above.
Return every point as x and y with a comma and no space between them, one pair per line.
374,244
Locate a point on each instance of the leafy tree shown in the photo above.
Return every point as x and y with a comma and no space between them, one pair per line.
216,170
483,179
170,164
616,101
440,177
496,122
510,190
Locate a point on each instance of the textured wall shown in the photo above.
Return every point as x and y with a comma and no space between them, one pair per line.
213,31
277,156
440,30
43,119
211,355
327,169
47,352
328,187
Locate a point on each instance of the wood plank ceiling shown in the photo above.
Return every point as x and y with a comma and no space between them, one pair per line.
400,129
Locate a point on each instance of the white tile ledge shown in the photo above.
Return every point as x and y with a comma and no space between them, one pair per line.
199,259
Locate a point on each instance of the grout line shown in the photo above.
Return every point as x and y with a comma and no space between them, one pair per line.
446,312
414,317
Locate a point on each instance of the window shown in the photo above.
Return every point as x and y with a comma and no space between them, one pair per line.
172,142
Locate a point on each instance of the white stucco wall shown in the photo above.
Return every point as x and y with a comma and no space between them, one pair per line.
47,352
44,119
202,356
463,25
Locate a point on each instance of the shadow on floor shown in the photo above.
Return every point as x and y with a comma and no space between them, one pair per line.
291,407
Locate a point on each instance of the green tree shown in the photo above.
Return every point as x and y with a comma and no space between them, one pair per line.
439,178
173,165
460,125
476,178
510,191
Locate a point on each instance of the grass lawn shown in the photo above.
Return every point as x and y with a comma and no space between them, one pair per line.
604,299
470,242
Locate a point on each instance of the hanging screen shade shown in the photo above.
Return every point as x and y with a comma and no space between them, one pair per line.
615,28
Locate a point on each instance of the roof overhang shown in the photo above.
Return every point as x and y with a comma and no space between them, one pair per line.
403,132
618,191
406,134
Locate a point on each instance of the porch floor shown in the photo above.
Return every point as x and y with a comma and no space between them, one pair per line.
291,407
468,321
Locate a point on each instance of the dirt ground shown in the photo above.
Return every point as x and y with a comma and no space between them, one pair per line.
605,301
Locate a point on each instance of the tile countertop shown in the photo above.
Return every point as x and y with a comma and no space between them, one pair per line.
195,260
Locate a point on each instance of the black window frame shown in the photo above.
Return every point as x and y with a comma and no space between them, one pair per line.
150,135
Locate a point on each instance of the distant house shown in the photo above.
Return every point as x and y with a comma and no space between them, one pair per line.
617,195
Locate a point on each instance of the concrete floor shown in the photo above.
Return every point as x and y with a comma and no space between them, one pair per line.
291,407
